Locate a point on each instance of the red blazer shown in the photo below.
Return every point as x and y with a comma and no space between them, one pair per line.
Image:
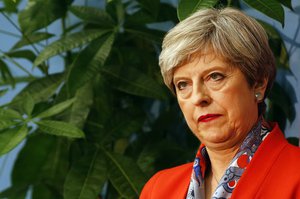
274,172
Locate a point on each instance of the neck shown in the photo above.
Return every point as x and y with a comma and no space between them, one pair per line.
220,160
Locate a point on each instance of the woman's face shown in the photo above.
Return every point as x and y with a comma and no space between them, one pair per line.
218,104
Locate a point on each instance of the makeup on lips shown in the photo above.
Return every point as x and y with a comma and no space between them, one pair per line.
208,117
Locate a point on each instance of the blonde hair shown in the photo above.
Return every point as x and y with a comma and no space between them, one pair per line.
237,38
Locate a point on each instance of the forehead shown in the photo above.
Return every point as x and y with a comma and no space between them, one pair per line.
202,63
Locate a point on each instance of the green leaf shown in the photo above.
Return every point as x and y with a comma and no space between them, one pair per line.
55,168
10,138
279,97
9,114
139,18
293,140
271,31
60,128
4,124
11,5
283,57
40,13
186,8
93,15
14,192
27,104
115,8
151,6
125,175
44,191
55,109
277,45
32,38
270,8
132,81
31,158
86,177
81,106
26,54
103,105
5,73
147,34
89,62
121,125
167,12
156,155
286,3
68,43
40,89
3,91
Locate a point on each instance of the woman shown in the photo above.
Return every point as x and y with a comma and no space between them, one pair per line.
220,67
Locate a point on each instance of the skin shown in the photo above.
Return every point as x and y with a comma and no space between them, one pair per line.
208,85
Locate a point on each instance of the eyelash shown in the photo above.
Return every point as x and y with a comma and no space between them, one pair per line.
179,84
216,76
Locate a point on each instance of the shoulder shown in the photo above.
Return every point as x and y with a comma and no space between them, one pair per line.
282,168
276,143
176,178
284,174
290,151
273,172
178,170
289,157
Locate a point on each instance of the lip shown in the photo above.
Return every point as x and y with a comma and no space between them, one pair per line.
208,117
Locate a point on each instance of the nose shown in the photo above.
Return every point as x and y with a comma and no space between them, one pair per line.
200,96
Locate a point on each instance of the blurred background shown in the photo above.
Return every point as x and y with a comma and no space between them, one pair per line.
288,79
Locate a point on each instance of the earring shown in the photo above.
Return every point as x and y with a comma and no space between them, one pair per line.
258,96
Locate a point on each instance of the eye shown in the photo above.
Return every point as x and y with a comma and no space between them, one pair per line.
216,76
181,85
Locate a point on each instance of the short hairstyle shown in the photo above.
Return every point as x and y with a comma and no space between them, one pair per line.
237,38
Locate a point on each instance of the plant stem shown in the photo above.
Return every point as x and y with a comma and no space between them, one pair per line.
16,63
3,163
20,80
229,3
294,40
10,34
24,35
68,53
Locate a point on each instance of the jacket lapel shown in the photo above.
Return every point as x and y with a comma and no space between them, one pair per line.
262,162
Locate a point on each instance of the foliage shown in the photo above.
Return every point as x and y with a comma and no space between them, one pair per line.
106,123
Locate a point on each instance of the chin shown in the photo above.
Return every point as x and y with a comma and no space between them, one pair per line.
214,137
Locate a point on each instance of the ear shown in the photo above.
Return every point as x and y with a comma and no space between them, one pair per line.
260,88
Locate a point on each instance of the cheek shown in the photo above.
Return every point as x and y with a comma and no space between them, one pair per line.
240,108
185,109
188,111
236,99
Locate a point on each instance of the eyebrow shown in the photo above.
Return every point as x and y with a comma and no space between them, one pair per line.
205,71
